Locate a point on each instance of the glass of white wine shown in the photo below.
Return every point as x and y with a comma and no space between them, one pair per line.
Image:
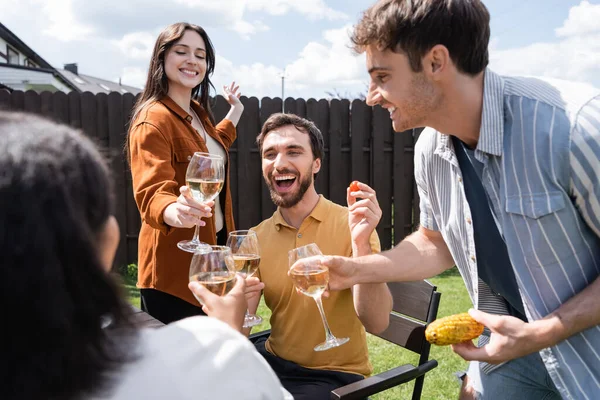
246,256
204,176
215,270
311,280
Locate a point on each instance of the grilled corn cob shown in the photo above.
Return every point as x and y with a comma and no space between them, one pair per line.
453,329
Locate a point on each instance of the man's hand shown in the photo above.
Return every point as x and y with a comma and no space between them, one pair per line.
364,213
254,288
230,308
511,338
187,212
341,270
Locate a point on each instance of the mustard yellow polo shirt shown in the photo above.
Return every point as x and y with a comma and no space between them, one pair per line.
296,326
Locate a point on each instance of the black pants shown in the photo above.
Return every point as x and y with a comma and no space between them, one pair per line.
165,307
305,383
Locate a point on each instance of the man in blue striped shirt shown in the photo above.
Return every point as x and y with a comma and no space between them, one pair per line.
518,155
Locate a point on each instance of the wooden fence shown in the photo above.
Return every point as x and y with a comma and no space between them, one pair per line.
359,145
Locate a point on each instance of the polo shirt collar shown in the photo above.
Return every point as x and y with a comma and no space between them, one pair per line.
319,213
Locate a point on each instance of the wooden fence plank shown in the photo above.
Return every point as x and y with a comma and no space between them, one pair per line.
268,107
338,173
60,107
318,112
89,116
381,162
101,118
17,101
32,102
116,135
47,106
360,128
249,181
134,221
5,97
74,100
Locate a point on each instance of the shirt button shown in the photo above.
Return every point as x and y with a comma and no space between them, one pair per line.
459,179
468,220
472,258
299,236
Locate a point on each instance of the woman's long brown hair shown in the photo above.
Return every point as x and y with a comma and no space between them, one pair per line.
157,84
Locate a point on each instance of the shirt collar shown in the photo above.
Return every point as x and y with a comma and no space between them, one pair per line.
318,213
171,105
491,134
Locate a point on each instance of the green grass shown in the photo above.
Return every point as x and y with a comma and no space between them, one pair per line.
439,384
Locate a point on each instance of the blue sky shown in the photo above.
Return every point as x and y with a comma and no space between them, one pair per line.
256,40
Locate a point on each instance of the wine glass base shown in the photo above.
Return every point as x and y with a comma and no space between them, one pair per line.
329,344
252,320
194,247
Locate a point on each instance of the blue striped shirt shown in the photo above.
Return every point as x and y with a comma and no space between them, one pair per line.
540,148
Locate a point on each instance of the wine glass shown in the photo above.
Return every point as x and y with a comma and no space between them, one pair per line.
204,176
246,256
215,270
311,280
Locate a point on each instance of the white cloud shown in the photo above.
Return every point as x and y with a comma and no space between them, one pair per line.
314,9
133,76
320,67
63,23
575,55
582,19
137,45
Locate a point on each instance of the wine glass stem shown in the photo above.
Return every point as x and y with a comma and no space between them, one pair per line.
328,335
196,238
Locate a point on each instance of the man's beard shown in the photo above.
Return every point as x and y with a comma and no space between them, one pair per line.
289,202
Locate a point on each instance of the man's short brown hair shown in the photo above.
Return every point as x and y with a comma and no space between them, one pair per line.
413,27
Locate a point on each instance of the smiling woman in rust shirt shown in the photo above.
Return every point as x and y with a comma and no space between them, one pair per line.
167,128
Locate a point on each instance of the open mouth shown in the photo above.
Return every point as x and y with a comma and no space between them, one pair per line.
284,183
189,73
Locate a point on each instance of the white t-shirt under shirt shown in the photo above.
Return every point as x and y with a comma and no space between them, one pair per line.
196,358
215,147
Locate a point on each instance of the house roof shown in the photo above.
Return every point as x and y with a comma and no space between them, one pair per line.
18,44
19,77
86,83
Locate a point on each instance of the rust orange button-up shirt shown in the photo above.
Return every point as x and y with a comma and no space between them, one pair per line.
161,142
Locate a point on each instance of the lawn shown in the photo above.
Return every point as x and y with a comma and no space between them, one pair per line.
440,383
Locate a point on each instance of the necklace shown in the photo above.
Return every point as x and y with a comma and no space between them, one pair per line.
195,116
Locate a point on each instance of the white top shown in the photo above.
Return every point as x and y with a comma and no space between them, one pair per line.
197,358
215,147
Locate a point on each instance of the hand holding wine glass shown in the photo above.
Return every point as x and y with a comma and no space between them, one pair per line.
246,256
229,308
311,279
214,270
204,177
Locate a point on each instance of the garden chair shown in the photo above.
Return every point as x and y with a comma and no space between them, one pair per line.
415,305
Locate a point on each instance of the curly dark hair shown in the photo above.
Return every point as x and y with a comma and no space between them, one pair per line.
413,27
278,120
55,199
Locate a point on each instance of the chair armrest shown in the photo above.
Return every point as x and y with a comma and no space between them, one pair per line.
255,336
383,381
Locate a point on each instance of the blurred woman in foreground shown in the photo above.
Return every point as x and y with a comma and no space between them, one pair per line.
68,331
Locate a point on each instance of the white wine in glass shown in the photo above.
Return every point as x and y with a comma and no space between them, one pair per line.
204,176
311,280
215,270
246,257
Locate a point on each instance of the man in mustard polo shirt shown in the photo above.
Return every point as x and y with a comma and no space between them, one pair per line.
291,149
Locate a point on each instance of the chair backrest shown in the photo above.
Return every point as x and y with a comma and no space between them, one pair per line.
415,305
